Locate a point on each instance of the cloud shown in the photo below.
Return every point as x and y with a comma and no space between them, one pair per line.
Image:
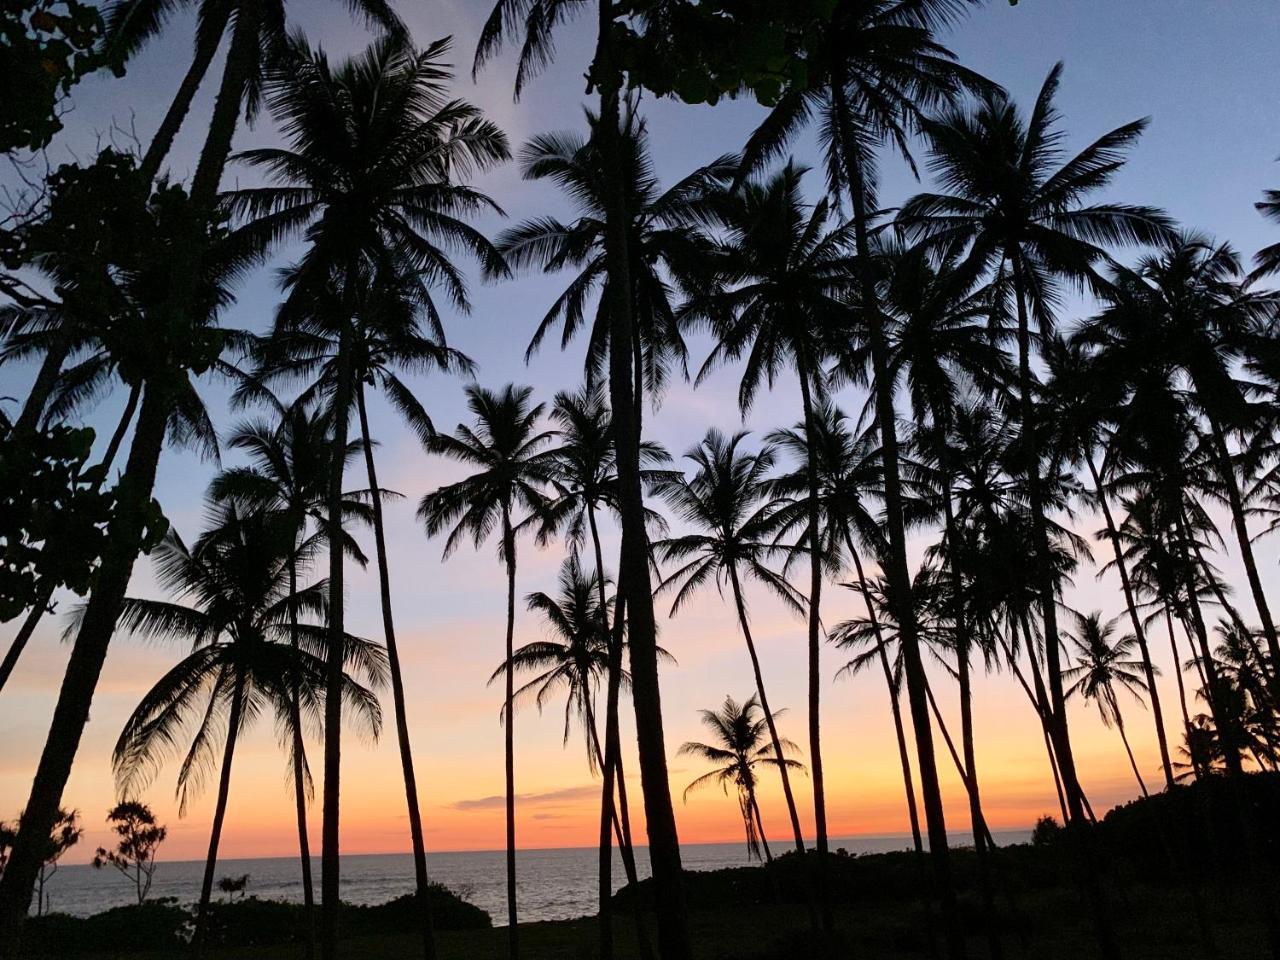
586,791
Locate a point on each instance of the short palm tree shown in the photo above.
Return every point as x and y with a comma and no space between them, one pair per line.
741,745
513,466
727,505
1104,663
241,628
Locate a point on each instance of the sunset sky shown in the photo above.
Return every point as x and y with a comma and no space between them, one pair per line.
1206,158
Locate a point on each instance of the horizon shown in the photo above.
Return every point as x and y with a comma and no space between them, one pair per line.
449,614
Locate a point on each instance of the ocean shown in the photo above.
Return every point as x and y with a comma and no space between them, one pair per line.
551,884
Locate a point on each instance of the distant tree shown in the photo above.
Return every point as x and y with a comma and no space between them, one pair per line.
233,885
135,852
1047,831
66,834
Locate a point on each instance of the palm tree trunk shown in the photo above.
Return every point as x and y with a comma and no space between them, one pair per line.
805,369
207,41
664,842
299,783
28,627
904,758
764,841
330,839
241,59
126,418
397,688
1040,700
219,812
896,569
764,706
1236,502
1182,690
1148,669
1115,707
34,407
509,743
83,669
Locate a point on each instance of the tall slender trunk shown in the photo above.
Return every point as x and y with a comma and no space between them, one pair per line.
397,688
37,611
904,757
1039,700
1182,690
805,368
219,812
330,839
1238,523
896,568
122,427
241,61
508,740
764,841
83,669
299,783
664,842
764,706
1148,669
1124,738
207,40
46,377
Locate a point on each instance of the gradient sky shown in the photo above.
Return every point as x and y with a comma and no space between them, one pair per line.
1199,69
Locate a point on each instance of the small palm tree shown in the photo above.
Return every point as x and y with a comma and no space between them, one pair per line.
741,745
727,504
240,627
1105,662
513,467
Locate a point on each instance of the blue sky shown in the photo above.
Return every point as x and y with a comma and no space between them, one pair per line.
1199,70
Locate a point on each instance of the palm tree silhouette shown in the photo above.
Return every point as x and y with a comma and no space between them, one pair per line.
1020,210
741,744
780,299
1104,662
371,179
513,468
241,627
287,476
726,502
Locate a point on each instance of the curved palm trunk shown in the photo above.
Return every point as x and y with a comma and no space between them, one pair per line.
509,750
162,142
764,841
126,418
397,688
38,399
1148,669
1038,700
815,651
664,842
1124,738
1238,523
764,705
896,569
83,669
299,783
330,839
1182,690
219,812
241,58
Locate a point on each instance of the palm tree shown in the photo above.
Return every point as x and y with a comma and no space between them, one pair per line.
1268,258
535,21
740,747
726,502
881,64
513,466
781,300
1105,662
242,629
286,476
1020,210
162,290
258,36
586,482
371,179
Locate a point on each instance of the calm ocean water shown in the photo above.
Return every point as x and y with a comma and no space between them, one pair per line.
552,884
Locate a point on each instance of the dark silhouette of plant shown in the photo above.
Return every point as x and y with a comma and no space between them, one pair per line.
741,744
134,854
233,886
513,467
